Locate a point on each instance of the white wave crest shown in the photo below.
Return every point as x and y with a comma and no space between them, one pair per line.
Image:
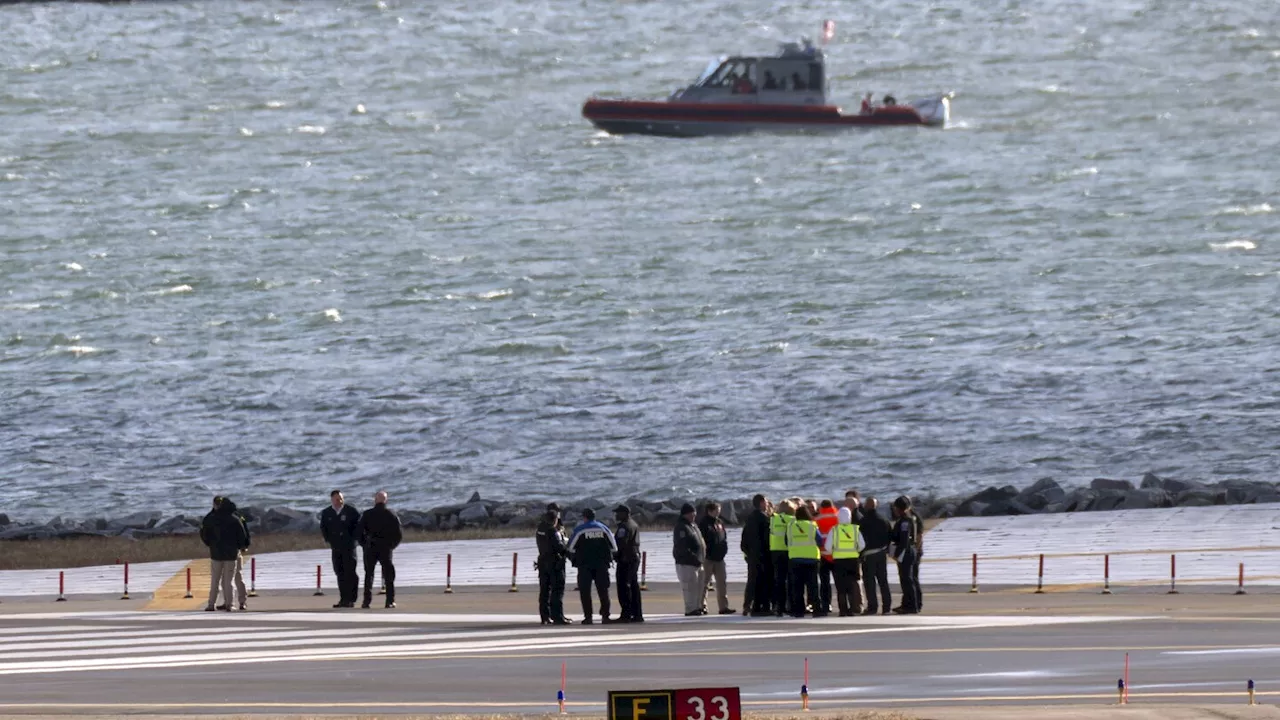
73,267
332,315
1234,245
495,294
77,350
175,290
22,306
1259,209
311,129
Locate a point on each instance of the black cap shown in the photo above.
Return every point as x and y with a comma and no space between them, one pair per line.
622,509
553,507
588,513
687,508
902,503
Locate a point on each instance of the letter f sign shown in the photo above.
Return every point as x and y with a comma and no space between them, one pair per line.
637,707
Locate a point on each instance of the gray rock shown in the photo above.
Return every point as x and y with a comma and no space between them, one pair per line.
286,520
175,524
1040,494
666,516
1146,498
475,498
4,520
729,514
1016,507
473,513
447,522
506,512
524,521
993,501
136,521
1101,484
1195,497
1108,500
416,520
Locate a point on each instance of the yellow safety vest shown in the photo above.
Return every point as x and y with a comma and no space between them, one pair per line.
800,541
845,544
778,532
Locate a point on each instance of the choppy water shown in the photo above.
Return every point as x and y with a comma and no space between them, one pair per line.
219,275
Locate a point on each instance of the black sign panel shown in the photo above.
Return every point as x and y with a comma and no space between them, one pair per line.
641,704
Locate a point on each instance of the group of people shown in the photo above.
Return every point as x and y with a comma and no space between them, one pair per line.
801,556
377,531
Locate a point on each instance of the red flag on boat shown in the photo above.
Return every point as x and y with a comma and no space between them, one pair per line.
828,30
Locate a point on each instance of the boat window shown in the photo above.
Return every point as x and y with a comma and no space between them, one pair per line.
815,76
709,71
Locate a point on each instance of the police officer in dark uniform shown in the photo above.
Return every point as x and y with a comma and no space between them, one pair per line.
552,551
627,537
380,533
338,524
591,549
904,552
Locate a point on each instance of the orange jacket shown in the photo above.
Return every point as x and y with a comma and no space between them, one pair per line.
828,518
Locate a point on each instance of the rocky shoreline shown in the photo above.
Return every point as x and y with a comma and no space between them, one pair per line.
1044,496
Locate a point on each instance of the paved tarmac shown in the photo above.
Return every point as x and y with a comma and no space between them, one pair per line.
483,652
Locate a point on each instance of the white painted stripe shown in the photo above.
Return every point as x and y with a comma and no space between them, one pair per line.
227,640
11,647
594,640
61,629
1228,651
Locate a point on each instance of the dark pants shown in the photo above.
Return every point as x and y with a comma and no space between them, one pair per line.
915,578
759,591
804,577
825,570
781,580
551,588
600,578
906,581
344,566
628,591
373,556
847,595
875,571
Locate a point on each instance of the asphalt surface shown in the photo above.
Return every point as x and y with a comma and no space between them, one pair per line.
292,656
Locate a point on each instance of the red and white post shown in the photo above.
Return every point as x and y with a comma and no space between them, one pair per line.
644,566
448,574
974,587
1040,577
1106,574
62,586
188,595
1240,585
515,560
125,596
1173,575
253,577
318,591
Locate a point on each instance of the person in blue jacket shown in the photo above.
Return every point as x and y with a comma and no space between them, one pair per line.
591,550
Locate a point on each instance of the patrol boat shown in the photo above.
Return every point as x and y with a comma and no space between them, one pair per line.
742,94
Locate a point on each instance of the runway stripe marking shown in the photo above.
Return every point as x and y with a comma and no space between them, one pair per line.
448,644
61,629
108,636
833,702
206,641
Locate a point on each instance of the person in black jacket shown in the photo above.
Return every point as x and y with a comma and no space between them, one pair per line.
626,535
237,574
592,548
717,542
379,533
690,552
755,546
552,551
338,525
224,534
904,553
875,560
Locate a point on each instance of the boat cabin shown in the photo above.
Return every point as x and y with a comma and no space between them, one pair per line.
795,76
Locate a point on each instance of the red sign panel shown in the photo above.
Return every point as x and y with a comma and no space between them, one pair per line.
708,704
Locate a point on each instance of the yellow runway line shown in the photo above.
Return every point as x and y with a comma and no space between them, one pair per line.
169,596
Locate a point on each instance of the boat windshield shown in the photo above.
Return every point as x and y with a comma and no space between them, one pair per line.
711,70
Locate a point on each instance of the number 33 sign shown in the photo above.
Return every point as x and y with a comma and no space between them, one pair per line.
686,704
708,704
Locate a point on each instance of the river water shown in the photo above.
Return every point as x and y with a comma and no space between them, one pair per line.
268,248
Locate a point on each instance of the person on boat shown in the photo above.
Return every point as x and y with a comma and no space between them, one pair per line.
770,82
890,101
743,86
868,105
797,83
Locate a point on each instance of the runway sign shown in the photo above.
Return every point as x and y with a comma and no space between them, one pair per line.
685,704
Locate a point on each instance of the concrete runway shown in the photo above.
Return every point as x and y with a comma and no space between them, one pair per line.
485,653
